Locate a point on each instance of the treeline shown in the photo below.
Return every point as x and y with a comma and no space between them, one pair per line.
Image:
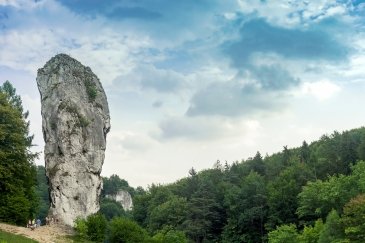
279,198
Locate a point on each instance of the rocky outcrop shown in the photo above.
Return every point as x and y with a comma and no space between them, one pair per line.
124,198
75,122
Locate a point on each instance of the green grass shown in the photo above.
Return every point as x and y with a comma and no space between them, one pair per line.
11,238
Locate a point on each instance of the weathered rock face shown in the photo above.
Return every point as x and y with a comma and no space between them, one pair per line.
75,121
124,198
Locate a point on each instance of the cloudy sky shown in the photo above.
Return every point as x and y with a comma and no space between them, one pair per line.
195,81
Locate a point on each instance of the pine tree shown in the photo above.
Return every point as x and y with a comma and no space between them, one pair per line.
18,201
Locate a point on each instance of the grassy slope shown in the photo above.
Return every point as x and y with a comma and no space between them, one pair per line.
11,238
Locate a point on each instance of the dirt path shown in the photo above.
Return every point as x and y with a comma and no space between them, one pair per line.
43,234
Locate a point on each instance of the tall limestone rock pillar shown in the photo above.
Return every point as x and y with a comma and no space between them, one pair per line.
75,121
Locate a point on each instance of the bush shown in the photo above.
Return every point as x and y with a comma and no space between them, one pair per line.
284,234
91,89
96,227
110,209
169,235
126,230
81,228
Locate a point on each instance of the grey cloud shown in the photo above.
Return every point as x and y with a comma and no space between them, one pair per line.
157,104
195,128
147,77
133,12
185,128
133,142
259,36
273,77
234,99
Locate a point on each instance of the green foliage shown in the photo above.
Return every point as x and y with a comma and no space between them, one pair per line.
42,193
353,219
284,234
81,121
113,184
127,231
171,212
8,237
311,234
333,230
169,235
81,228
296,187
205,217
283,192
110,209
96,227
140,209
320,197
91,89
247,210
90,85
256,164
17,171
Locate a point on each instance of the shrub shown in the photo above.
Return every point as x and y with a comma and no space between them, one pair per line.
110,209
96,227
126,230
284,234
90,89
81,228
169,235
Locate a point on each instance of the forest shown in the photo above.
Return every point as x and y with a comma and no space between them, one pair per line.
312,193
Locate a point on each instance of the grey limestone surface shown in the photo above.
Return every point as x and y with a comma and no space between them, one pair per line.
75,122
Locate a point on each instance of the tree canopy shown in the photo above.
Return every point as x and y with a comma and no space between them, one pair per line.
18,201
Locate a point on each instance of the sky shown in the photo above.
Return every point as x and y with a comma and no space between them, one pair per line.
195,81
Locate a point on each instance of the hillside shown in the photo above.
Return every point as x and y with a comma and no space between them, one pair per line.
245,201
290,193
44,234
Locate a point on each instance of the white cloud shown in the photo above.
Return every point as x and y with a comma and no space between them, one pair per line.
322,90
108,52
292,13
15,3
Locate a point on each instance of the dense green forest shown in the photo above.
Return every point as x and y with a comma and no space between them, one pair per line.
312,193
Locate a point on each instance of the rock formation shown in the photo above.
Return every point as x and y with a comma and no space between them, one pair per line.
75,121
123,198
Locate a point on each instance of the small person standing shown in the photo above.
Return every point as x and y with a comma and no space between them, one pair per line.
33,225
47,220
39,223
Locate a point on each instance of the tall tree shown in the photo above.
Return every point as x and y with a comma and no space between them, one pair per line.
354,219
18,201
247,210
333,230
304,152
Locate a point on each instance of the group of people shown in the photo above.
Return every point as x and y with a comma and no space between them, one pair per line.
32,224
50,220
